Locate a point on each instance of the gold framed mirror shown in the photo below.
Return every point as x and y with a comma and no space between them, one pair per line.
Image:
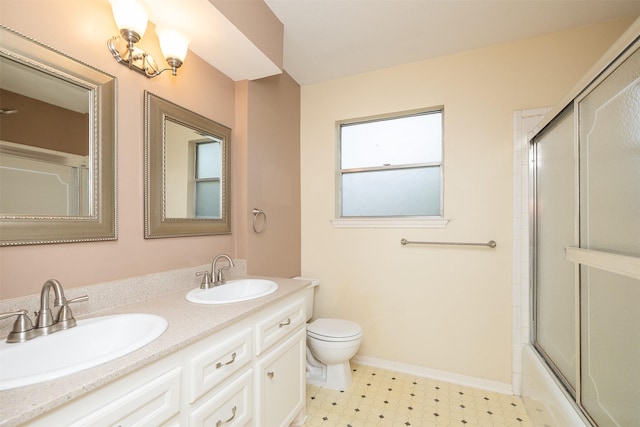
57,146
186,172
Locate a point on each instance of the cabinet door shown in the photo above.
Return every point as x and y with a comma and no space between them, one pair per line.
280,383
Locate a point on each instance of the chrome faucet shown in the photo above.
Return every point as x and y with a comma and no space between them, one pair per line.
216,273
44,321
24,330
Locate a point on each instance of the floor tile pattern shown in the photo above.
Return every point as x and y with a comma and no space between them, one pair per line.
378,397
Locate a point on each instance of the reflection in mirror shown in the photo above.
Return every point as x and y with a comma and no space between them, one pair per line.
43,168
193,169
57,146
186,170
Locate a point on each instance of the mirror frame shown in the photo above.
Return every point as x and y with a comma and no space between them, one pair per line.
156,224
102,224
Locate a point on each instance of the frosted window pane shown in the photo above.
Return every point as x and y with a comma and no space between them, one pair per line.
402,192
555,293
610,347
209,161
414,139
208,199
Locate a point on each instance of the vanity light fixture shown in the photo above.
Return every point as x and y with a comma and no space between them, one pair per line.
131,17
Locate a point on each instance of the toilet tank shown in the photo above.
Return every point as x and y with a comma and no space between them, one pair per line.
309,295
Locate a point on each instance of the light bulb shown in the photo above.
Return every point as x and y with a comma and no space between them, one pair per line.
131,16
173,44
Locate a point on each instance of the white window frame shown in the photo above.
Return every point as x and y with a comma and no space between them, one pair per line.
193,172
387,221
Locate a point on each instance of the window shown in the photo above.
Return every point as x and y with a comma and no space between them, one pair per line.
392,166
207,179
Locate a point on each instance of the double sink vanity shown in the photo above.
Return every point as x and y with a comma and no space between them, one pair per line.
228,355
149,351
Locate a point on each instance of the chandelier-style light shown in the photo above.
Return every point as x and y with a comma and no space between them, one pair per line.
131,17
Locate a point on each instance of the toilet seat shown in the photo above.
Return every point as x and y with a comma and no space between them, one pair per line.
336,330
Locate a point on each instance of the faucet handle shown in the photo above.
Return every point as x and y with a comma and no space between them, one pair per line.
22,328
65,318
206,279
78,299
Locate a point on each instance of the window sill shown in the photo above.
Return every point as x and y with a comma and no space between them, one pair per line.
389,222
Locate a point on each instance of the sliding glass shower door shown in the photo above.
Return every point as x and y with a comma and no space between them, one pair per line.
556,187
586,274
609,142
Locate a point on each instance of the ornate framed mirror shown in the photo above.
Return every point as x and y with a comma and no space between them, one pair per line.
57,146
186,172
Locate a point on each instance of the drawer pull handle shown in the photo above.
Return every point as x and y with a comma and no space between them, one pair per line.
233,415
233,359
270,374
285,323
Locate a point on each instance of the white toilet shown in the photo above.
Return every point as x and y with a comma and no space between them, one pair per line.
330,345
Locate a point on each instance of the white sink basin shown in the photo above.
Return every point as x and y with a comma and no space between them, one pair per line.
90,343
233,291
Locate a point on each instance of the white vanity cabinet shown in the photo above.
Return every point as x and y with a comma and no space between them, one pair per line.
281,368
251,373
150,396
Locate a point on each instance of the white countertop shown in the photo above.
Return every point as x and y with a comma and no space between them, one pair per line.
188,323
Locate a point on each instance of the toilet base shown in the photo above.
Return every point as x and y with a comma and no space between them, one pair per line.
334,377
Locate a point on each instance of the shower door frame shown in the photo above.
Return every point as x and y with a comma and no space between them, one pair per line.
620,264
574,393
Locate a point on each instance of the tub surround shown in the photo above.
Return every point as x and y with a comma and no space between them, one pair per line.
162,294
545,399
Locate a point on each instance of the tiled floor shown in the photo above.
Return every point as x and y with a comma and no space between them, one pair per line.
378,397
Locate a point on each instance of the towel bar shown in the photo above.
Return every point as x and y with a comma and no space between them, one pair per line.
490,243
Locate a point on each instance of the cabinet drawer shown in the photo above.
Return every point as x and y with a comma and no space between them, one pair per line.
148,405
277,326
209,368
230,407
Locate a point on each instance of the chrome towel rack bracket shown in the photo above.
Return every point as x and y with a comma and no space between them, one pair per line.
257,213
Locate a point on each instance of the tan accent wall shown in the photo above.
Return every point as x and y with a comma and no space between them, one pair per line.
43,125
267,174
81,29
258,23
273,175
443,308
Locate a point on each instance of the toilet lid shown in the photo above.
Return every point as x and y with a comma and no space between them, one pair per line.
337,329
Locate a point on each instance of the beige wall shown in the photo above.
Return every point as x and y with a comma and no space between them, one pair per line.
443,308
81,28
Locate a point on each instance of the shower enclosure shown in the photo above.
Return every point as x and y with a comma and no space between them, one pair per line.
585,234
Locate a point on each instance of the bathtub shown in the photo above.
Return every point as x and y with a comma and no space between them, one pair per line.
547,403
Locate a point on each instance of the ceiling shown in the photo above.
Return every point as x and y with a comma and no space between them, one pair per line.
328,39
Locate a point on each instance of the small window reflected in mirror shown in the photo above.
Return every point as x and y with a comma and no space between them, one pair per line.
207,178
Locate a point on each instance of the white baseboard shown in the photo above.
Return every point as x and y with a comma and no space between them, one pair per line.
435,374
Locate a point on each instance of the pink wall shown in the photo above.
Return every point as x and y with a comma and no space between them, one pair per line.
268,115
273,175
258,23
81,28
